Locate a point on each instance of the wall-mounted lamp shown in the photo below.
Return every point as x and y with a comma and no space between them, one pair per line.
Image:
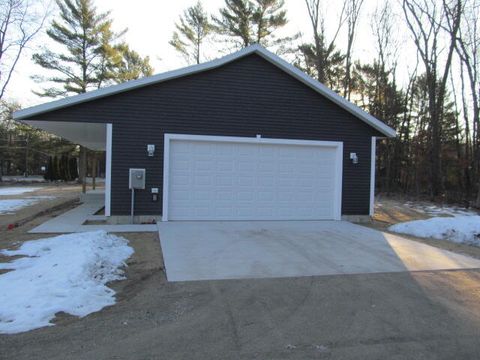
151,149
354,158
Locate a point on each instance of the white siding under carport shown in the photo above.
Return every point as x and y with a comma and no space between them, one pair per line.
231,178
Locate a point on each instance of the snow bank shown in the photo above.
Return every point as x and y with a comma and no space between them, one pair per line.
16,190
460,229
64,273
9,206
436,210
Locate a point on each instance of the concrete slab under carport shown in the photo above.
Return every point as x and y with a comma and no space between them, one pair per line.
213,250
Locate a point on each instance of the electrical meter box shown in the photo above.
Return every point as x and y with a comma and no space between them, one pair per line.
136,179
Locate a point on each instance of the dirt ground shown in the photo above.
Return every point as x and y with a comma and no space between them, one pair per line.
390,211
59,196
423,315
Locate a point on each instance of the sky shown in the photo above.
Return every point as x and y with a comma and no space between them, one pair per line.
150,25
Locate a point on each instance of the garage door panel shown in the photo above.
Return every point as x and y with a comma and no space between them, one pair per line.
215,180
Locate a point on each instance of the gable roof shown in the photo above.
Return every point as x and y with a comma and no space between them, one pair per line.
257,49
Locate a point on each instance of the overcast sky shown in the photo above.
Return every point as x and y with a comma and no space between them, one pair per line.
150,24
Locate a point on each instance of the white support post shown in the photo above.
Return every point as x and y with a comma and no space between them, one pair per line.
108,171
372,176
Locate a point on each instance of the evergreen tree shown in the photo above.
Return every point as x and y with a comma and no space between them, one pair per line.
49,173
72,164
326,65
81,30
64,168
130,65
55,170
90,58
246,22
192,30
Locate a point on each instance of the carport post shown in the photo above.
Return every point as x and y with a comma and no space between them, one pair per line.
83,168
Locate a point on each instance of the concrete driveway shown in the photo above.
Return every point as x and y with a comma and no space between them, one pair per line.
262,249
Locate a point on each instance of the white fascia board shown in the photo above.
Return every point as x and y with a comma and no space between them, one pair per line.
267,55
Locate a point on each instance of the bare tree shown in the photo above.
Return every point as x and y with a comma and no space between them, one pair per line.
428,21
353,8
468,49
20,22
382,25
323,49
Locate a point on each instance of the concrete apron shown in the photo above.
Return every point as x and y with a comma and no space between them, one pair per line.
208,250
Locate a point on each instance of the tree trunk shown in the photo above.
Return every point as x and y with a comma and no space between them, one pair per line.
477,203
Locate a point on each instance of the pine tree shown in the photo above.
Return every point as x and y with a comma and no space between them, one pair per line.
80,31
326,65
130,65
91,58
65,171
49,173
55,170
73,168
247,22
192,30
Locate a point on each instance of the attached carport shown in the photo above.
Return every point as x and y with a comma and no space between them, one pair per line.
93,136
264,249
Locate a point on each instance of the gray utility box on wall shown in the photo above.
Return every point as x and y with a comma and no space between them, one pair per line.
136,179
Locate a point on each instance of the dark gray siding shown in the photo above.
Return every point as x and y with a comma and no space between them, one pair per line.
247,97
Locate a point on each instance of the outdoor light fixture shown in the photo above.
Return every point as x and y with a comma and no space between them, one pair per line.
354,158
150,149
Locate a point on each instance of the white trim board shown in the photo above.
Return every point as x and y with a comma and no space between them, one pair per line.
108,170
256,140
257,49
372,175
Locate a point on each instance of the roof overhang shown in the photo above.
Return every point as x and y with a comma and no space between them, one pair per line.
257,49
89,135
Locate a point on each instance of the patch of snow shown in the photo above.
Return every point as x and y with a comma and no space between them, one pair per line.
459,229
9,206
65,273
16,190
23,179
435,210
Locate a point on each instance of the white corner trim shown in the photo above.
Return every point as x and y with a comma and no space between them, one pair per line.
338,145
267,55
372,176
108,171
338,182
166,175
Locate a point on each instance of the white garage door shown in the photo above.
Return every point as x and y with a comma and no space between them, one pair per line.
223,178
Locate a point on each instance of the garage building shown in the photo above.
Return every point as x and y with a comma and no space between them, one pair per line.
244,137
